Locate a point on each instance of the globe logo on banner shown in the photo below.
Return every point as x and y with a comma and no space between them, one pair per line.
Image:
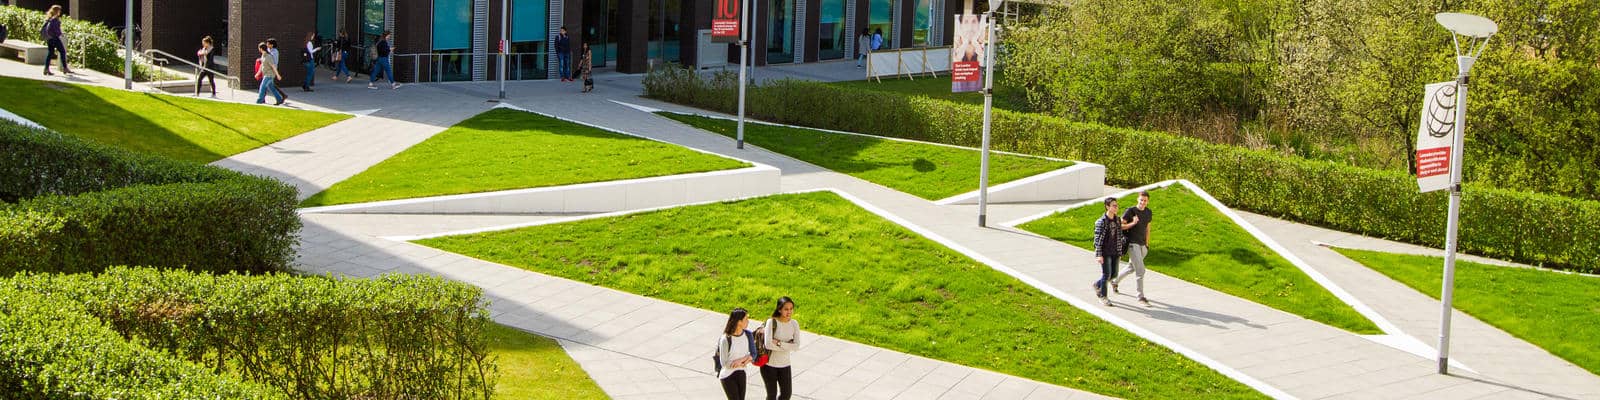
1436,137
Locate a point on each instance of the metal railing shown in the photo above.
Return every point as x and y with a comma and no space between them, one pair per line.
165,57
446,67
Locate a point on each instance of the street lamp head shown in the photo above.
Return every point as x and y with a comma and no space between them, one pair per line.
1468,25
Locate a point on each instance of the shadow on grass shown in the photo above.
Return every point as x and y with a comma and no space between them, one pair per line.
235,131
79,112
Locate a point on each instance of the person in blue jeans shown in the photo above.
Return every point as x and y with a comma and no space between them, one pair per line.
341,53
51,32
269,76
1108,246
564,55
309,60
381,64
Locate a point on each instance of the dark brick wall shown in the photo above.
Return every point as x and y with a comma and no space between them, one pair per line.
176,26
43,5
633,36
253,21
413,22
108,12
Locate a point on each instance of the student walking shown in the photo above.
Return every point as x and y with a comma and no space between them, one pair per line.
863,46
735,349
308,58
586,67
380,63
51,32
1138,245
564,55
339,54
272,53
782,337
267,73
1107,247
207,61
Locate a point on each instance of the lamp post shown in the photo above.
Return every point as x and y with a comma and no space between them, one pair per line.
744,57
988,114
1478,30
505,10
127,45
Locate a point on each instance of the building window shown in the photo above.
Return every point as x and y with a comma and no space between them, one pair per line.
452,40
831,36
880,18
529,34
920,22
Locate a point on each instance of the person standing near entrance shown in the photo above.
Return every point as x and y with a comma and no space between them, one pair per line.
564,55
206,61
1107,247
1138,244
51,32
308,58
586,68
380,62
863,46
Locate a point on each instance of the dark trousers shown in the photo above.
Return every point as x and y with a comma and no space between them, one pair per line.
311,75
52,47
1108,271
733,385
202,78
779,381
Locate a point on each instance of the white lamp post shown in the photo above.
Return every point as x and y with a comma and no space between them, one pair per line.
988,113
1477,30
744,57
505,11
127,44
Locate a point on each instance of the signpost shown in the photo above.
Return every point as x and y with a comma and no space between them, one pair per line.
744,58
977,31
1478,30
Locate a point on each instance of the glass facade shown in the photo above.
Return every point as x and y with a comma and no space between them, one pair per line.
327,19
880,19
452,40
831,36
665,22
780,31
599,31
920,22
529,33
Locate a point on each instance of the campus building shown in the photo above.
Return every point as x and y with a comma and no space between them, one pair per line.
455,40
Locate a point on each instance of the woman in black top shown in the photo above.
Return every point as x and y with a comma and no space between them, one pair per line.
341,55
206,61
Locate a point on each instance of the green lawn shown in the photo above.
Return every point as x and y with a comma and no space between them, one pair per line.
533,367
858,277
503,149
1557,312
184,128
1005,98
927,171
1191,240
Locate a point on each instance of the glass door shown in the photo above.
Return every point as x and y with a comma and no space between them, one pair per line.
831,36
780,28
599,31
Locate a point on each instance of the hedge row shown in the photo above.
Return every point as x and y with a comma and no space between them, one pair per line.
1555,232
68,205
89,44
188,334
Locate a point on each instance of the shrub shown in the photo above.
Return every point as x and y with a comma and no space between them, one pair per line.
51,348
394,337
76,206
1557,232
89,44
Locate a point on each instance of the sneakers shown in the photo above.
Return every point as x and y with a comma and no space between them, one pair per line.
1144,301
1105,301
369,86
48,73
395,86
1114,288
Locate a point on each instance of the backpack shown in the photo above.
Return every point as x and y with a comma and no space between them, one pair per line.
716,356
762,352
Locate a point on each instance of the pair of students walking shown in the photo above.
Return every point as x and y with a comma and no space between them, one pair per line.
1115,236
769,347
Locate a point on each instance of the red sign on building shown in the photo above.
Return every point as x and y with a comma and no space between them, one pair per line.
725,21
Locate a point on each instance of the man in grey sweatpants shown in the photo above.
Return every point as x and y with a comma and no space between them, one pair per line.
1138,244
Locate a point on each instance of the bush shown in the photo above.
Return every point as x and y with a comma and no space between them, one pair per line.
75,206
1556,232
89,44
51,348
397,337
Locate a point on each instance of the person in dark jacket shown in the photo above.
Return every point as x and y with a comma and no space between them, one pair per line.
1108,246
308,59
564,55
207,59
380,64
51,32
341,58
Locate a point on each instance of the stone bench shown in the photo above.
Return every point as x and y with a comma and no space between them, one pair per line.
31,53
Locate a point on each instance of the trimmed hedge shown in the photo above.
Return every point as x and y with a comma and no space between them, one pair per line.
76,206
396,337
1553,231
85,46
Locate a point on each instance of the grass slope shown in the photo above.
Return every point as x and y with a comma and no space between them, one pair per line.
504,149
1191,240
1557,312
927,171
183,128
1005,98
534,367
858,277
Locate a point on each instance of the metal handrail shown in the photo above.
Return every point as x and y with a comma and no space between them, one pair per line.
235,82
416,67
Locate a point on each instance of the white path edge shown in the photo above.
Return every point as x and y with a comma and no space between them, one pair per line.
7,115
1393,336
1225,370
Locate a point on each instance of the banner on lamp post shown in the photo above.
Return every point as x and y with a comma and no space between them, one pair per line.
966,56
1436,137
725,21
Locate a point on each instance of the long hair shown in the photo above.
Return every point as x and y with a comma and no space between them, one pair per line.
206,40
55,11
776,312
734,317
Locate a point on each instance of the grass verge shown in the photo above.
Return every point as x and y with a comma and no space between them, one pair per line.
1557,312
857,277
1191,240
503,149
183,128
534,367
923,170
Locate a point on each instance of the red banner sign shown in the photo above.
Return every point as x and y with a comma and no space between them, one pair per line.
1433,162
725,21
966,56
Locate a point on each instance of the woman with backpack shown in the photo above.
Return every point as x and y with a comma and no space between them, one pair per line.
51,32
735,348
782,337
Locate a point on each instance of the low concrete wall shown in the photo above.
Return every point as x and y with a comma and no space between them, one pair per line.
632,194
1080,181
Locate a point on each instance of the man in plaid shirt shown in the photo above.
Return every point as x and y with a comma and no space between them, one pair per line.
1108,246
